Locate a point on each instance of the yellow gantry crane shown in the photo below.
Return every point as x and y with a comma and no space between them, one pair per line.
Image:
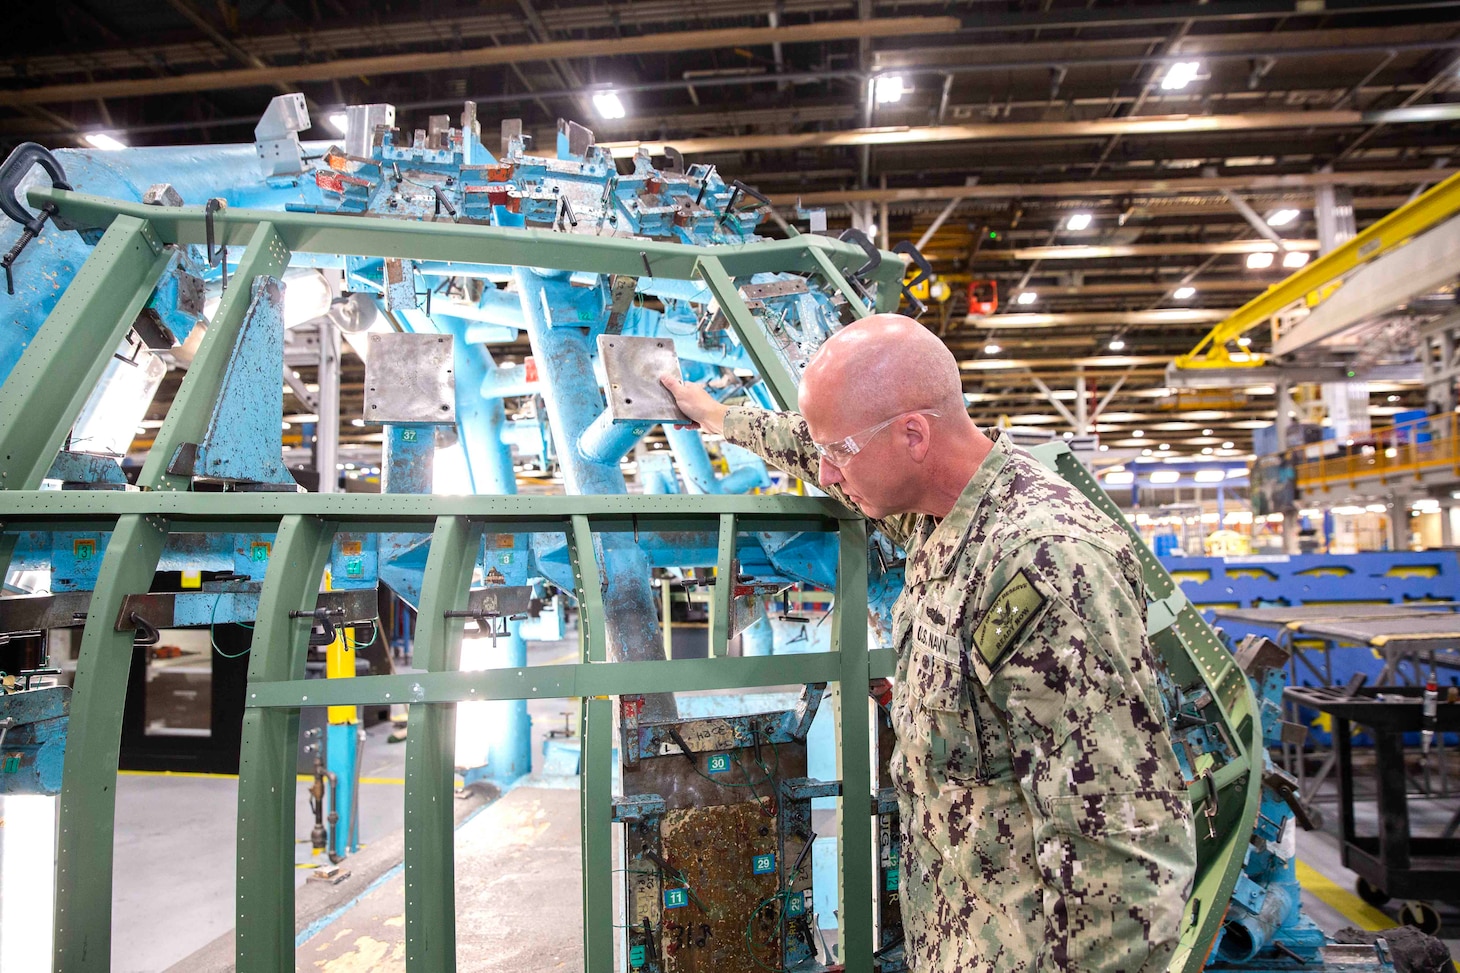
1322,278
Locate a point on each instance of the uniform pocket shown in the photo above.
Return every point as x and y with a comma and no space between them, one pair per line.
944,734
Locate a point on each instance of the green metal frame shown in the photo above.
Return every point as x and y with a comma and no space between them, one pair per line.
48,389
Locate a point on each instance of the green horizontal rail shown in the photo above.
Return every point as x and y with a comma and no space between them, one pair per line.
552,682
463,243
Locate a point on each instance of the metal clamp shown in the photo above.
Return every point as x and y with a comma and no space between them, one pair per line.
925,272
328,632
874,256
147,633
218,257
15,168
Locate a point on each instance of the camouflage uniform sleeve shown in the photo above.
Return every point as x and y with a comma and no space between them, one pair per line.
783,441
1061,649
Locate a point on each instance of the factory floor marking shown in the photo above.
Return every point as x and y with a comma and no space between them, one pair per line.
1353,908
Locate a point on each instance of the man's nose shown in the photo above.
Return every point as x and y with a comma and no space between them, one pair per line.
830,472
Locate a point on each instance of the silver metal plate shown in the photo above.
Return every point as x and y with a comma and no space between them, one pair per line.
410,378
633,367
776,288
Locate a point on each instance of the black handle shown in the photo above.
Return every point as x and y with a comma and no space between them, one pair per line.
147,633
874,256
14,169
925,269
752,192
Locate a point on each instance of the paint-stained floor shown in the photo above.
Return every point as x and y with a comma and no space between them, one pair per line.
518,897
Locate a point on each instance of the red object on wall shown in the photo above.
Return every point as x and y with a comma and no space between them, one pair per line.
530,369
983,296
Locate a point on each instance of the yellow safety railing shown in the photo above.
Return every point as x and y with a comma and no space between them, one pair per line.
1318,281
1383,456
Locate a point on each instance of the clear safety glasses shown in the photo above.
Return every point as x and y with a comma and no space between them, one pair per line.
839,452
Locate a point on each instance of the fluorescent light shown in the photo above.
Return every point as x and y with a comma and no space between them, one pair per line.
1183,293
357,422
103,141
1236,474
1206,432
888,88
1228,446
1138,433
1079,221
991,349
1259,261
1428,504
1119,479
1117,343
1294,259
339,121
1209,476
1026,297
1282,217
1165,476
1206,451
1376,508
609,105
1145,452
1180,74
1164,446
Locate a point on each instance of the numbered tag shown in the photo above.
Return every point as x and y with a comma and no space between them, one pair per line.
408,435
795,905
636,956
354,568
891,879
10,764
763,864
718,763
84,549
258,551
676,898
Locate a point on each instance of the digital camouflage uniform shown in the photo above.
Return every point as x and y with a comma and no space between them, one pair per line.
1045,823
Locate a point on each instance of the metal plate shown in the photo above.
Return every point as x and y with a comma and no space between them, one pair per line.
633,367
410,378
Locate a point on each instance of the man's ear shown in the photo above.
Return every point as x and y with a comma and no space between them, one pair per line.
917,429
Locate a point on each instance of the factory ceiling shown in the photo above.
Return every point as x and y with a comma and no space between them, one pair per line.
1083,154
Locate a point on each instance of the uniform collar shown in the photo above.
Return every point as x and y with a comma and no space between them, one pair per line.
935,556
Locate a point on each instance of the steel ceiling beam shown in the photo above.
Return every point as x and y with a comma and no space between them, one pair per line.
420,61
1096,252
1164,317
1123,187
1085,128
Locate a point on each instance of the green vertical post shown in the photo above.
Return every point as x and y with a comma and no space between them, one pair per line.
192,407
836,279
430,857
849,637
264,935
83,922
722,600
596,778
752,336
48,387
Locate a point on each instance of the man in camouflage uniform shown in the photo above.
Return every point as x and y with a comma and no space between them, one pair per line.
1045,823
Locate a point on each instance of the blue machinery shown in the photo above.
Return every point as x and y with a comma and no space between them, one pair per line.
665,256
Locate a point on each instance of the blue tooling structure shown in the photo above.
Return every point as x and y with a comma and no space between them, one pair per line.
446,174
1367,578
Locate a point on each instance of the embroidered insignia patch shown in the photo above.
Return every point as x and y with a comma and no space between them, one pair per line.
1007,618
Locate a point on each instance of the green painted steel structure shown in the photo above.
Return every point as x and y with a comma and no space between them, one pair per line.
41,400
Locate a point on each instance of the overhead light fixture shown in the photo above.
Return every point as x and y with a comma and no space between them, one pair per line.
1229,445
1079,221
1206,432
1377,508
1145,452
1244,341
1138,433
1026,297
991,349
1180,74
1119,479
1183,293
103,141
339,121
1165,476
1282,217
1209,476
1164,446
1259,261
609,105
1206,451
1117,343
888,89
1294,259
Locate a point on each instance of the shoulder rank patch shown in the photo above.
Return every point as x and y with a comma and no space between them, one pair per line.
1007,618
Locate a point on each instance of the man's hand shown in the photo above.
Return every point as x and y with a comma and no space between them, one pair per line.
696,403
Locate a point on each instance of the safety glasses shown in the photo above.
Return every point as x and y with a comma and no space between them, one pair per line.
838,453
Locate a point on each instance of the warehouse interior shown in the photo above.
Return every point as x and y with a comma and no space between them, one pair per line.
369,604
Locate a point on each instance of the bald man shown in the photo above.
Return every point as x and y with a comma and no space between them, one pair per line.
1045,823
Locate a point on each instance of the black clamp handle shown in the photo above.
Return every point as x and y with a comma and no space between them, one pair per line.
216,257
17,166
925,272
752,192
874,256
147,633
